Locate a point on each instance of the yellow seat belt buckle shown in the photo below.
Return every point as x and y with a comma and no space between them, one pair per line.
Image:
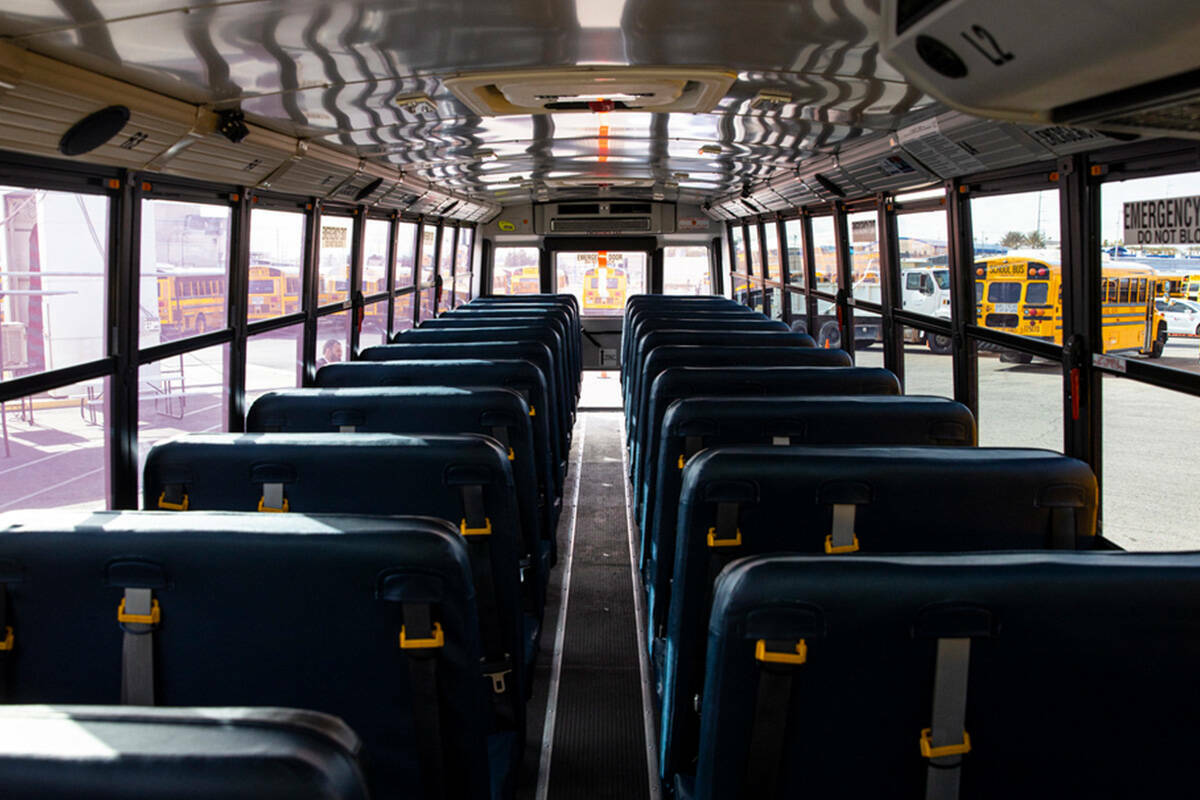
532,411
929,751
846,548
682,460
437,640
153,618
761,653
7,644
169,506
262,506
512,456
486,530
713,541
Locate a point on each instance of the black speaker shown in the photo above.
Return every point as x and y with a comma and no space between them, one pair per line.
367,190
93,130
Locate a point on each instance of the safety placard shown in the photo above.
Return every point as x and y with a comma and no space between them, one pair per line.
1173,220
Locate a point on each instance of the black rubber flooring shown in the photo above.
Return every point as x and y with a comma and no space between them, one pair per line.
599,746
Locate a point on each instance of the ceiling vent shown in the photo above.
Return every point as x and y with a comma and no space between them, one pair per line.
616,217
592,89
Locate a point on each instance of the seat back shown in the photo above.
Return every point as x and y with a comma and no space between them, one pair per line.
1040,658
693,424
464,479
513,318
897,499
721,319
256,609
522,376
496,412
435,345
111,752
644,426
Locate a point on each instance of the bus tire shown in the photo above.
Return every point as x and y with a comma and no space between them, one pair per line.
1160,342
938,343
1014,357
830,336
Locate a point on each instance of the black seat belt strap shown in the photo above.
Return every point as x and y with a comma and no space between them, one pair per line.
777,662
1062,528
421,640
476,528
7,640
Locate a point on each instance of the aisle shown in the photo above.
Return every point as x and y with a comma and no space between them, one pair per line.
595,744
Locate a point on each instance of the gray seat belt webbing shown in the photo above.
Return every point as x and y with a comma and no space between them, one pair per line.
781,440
422,675
272,497
692,445
949,717
842,538
347,428
137,649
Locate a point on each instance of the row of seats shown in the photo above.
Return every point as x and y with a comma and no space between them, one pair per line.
769,502
399,586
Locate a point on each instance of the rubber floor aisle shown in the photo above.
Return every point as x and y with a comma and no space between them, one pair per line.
595,746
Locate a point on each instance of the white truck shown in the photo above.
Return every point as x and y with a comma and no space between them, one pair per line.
924,289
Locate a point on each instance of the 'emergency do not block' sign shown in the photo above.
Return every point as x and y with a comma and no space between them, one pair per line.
1174,220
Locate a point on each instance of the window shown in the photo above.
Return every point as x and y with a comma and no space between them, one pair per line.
1037,293
402,315
426,308
602,280
1004,292
516,271
375,253
446,269
53,258
428,252
739,249
686,270
333,264
333,338
54,452
773,272
825,254
182,394
406,253
182,244
463,267
374,328
792,231
924,253
274,360
276,256
756,249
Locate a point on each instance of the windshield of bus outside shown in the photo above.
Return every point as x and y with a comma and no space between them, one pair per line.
1037,293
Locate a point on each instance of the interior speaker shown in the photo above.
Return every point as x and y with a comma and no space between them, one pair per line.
366,191
93,130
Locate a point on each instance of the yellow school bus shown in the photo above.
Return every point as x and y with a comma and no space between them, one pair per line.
604,287
191,303
273,293
1023,295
